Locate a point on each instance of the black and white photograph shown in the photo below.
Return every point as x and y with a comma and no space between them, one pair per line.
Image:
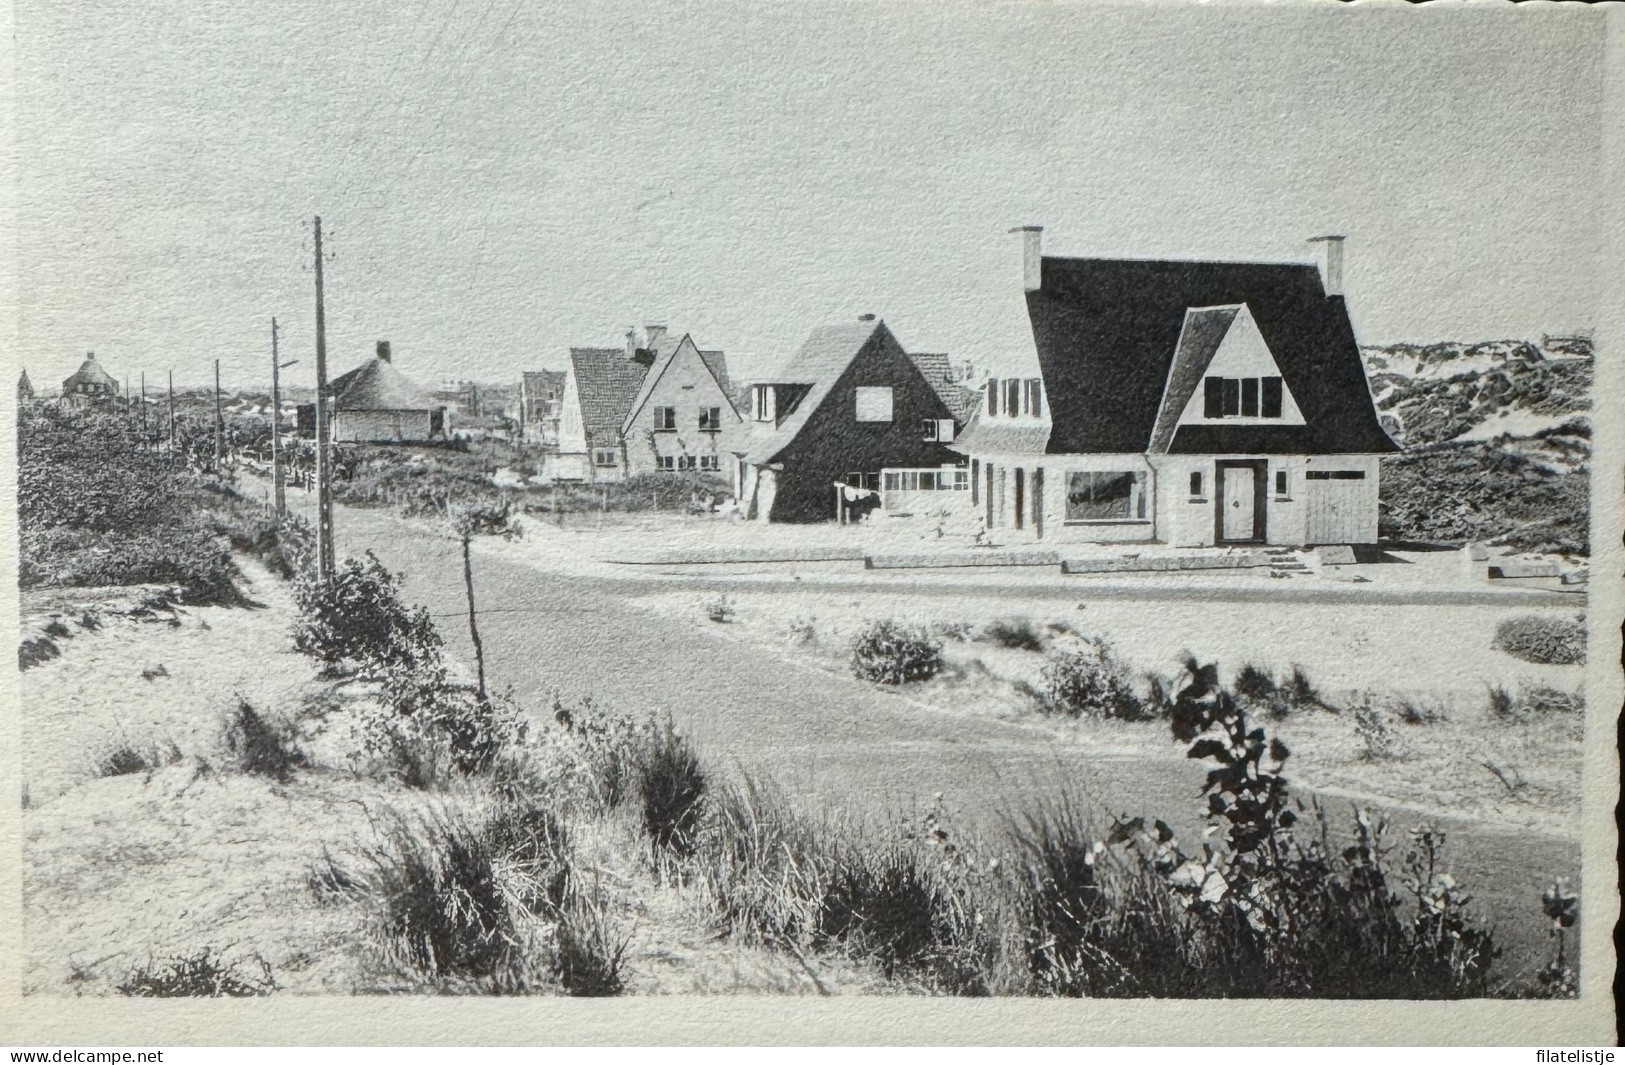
796,501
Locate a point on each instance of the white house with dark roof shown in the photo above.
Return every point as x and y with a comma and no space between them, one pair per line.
377,404
1187,403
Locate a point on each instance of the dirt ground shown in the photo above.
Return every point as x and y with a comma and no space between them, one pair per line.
1439,763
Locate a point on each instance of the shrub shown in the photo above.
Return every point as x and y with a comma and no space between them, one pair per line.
129,758
1532,701
260,747
200,975
891,653
957,631
438,907
359,620
721,609
589,953
36,651
1015,633
427,730
1255,913
802,631
881,904
1371,725
671,791
1547,639
1090,682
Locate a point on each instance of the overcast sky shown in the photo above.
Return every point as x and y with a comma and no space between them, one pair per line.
503,180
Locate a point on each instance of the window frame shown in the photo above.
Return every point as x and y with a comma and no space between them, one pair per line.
665,419
598,454
1032,397
874,392
710,419
1197,495
932,427
1136,506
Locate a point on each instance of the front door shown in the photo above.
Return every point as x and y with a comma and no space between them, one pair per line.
1240,517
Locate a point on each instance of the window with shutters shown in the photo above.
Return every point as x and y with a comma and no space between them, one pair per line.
1032,397
1241,397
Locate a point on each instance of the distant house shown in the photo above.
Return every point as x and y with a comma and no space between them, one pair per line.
376,403
541,404
1190,403
599,387
851,408
25,389
938,371
88,385
682,418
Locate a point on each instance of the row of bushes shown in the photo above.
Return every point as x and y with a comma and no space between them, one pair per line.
1088,680
99,506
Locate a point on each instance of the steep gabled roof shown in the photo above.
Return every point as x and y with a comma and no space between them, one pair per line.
376,385
665,355
606,383
1107,332
820,362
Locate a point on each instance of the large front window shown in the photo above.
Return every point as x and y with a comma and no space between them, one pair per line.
1106,495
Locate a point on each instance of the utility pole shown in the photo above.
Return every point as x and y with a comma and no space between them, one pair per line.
172,417
145,443
278,495
219,424
325,566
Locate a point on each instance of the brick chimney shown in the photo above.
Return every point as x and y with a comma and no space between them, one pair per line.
652,335
1333,273
631,343
1032,256
383,351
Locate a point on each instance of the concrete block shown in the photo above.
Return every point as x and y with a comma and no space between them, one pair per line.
1336,555
1478,552
1577,576
1506,570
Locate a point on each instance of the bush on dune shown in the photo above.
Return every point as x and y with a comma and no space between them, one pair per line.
1546,639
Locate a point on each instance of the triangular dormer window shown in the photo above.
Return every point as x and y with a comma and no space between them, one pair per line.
1241,383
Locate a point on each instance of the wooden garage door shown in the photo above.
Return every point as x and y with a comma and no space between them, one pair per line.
1339,508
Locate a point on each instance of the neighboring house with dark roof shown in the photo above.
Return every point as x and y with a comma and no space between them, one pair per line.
540,402
25,388
1190,403
88,385
682,417
375,404
599,387
850,408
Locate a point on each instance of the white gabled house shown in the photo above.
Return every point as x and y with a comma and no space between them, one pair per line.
1188,403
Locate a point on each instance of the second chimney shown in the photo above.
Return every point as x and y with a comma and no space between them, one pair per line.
652,335
1032,256
383,351
1334,262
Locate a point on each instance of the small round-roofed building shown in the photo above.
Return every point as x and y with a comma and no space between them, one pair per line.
88,385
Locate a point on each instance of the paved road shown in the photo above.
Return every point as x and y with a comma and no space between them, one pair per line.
826,736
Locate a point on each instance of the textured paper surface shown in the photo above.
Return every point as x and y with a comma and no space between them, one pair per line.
503,180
